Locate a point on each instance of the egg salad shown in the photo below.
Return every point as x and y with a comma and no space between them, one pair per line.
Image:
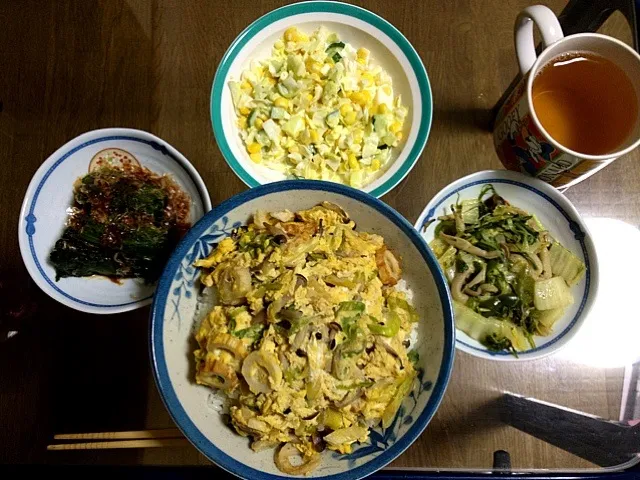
310,337
318,108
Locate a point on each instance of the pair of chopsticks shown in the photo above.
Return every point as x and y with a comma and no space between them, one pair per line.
168,437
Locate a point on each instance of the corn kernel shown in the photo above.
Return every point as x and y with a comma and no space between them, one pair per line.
382,108
242,122
314,66
362,53
246,86
289,33
375,165
399,136
281,102
279,45
386,89
259,123
254,147
294,35
373,110
345,109
245,111
309,97
256,157
395,127
314,136
349,118
361,61
353,162
361,98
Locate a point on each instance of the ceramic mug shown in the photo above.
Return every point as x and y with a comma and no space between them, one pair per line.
520,140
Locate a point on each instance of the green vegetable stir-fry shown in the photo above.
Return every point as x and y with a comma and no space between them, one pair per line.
509,279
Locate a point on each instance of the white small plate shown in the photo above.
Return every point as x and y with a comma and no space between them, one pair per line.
389,48
44,213
564,223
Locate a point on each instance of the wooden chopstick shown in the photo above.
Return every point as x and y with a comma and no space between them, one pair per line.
152,443
130,435
167,437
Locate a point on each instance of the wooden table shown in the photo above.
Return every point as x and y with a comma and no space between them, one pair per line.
70,67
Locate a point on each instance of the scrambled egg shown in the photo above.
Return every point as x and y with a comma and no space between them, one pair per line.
310,337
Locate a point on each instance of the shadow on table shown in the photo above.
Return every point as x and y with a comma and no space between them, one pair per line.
605,443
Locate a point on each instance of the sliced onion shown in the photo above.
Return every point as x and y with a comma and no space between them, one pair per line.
276,306
284,216
277,231
283,460
261,218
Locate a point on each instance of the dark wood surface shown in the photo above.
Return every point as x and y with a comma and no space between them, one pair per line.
73,66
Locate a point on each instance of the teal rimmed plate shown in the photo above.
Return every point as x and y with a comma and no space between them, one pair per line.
362,28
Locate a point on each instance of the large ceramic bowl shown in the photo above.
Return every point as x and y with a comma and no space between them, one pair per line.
389,49
50,195
564,223
174,309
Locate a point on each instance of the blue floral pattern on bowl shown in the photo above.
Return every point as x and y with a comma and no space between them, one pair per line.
380,439
187,274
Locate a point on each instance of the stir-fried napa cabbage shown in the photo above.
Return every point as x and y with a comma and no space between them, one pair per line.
319,109
509,279
310,337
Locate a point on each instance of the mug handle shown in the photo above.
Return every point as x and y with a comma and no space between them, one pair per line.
549,27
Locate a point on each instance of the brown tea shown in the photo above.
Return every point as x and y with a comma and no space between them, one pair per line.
585,102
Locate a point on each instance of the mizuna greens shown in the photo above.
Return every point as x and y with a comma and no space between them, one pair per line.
510,280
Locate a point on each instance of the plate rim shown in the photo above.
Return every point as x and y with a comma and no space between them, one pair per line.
26,218
324,6
571,214
156,345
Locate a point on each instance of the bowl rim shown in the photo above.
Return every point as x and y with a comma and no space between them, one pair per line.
27,219
156,346
577,225
324,6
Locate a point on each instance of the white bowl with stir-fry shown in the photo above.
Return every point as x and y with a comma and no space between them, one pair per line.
323,91
302,328
519,260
